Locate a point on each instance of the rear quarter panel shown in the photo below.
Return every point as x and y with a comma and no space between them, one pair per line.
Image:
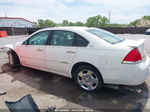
106,60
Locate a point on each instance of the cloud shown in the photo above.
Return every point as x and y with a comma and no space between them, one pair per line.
68,1
123,11
124,3
34,8
75,10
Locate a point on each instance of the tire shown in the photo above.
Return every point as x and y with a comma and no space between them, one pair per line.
13,59
88,78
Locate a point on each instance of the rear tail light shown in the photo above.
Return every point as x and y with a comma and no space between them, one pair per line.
134,56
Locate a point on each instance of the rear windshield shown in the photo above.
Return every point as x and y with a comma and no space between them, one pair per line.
107,36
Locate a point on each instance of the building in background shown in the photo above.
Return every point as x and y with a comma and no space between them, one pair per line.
143,23
16,22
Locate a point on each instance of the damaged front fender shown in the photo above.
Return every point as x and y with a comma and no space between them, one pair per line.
6,48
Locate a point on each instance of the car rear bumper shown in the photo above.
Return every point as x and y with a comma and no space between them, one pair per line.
130,74
142,72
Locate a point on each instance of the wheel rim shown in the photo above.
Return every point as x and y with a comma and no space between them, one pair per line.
10,59
87,79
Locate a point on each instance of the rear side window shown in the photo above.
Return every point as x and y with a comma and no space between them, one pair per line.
107,36
80,41
62,38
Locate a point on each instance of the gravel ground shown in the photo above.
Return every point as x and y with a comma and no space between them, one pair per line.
53,90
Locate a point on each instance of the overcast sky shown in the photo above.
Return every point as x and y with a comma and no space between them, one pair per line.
122,11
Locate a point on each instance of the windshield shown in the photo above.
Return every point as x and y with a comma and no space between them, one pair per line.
107,36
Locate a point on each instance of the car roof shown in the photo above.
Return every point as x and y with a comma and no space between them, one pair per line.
81,30
69,28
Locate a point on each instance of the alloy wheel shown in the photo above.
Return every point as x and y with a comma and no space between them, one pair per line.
87,79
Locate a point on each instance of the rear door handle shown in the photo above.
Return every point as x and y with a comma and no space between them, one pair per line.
39,50
71,52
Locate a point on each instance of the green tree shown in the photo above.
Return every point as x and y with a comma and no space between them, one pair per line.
40,23
78,23
46,23
71,24
65,23
49,23
134,23
139,22
146,17
97,21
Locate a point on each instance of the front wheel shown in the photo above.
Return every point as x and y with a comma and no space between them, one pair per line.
88,78
13,59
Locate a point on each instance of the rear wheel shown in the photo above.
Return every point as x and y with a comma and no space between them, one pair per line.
88,78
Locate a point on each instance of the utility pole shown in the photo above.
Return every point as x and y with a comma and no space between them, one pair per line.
109,16
5,14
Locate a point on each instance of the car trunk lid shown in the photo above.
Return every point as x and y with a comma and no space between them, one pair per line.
139,44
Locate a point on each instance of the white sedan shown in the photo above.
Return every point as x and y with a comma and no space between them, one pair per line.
91,56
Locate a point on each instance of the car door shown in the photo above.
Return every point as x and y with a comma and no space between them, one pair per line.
60,52
32,51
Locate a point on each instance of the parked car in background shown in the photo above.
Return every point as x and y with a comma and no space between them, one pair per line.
91,56
147,32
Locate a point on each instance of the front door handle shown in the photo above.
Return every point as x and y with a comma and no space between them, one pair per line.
71,52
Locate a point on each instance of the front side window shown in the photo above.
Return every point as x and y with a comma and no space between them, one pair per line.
62,38
39,38
107,36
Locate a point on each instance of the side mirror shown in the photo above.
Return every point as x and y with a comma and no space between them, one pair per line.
25,43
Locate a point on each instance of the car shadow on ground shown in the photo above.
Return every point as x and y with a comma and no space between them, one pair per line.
123,99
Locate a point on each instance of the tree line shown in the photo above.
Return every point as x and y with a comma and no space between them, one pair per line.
142,22
95,21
